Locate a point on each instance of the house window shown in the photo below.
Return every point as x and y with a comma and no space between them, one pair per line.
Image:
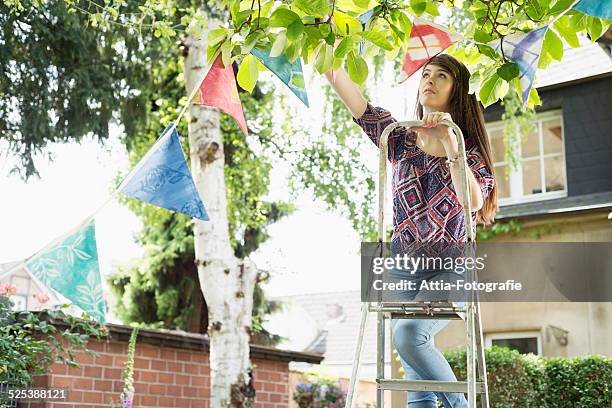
541,166
523,342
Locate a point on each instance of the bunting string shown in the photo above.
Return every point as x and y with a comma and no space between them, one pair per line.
162,176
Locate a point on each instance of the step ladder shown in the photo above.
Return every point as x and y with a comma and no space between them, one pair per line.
476,383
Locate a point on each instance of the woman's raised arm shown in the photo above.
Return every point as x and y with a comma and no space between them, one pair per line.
348,91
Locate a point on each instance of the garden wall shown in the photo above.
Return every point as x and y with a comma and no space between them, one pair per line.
170,370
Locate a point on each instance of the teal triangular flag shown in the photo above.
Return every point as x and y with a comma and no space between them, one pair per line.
162,178
71,268
596,8
290,73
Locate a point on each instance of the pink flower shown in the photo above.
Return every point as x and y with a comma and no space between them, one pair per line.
42,298
7,289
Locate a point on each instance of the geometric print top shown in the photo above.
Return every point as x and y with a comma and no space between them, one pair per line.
425,206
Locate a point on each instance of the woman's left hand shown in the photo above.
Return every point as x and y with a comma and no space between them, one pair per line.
431,128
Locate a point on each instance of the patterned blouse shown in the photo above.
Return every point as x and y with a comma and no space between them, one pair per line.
425,206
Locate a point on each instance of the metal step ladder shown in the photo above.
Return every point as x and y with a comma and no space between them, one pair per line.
476,383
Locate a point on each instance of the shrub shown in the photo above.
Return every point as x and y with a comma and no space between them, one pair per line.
518,380
29,344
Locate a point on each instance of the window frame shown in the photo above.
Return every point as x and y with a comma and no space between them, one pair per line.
528,334
516,175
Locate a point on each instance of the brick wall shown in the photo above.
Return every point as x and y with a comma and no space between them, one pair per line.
170,370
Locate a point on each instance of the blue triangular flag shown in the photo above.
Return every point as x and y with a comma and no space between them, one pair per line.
162,178
596,8
363,19
71,268
524,50
290,73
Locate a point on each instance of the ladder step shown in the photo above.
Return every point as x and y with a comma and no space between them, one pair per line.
434,310
427,385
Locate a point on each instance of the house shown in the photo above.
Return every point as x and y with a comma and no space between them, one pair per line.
563,182
563,185
30,293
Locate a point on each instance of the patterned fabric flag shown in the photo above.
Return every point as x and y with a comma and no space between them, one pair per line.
596,8
71,268
219,89
290,73
162,178
426,40
363,19
524,49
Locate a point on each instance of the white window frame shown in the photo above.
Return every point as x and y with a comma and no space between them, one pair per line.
516,175
489,337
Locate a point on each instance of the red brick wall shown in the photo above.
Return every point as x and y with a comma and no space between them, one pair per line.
164,377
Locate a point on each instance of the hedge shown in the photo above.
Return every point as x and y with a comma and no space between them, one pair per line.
518,380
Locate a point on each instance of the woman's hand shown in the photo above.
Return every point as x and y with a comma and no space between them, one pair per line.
431,128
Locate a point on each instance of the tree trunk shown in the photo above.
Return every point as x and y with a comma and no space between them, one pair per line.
227,282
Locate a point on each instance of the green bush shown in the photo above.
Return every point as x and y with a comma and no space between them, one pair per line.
518,380
29,344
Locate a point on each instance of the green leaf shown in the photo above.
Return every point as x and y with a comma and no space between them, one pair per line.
562,26
594,28
544,60
344,47
405,24
357,68
216,36
248,73
283,17
482,36
533,99
377,38
508,71
316,8
490,89
578,21
560,6
418,6
553,45
324,58
431,8
346,24
279,44
295,30
488,51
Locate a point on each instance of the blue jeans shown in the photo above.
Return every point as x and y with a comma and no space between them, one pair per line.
414,341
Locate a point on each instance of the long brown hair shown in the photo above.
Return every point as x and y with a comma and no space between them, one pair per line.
467,113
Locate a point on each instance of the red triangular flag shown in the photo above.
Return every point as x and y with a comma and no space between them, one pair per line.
426,40
219,89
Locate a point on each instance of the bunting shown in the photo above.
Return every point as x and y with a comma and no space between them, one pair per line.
596,8
524,49
290,73
363,19
426,40
162,178
219,89
71,268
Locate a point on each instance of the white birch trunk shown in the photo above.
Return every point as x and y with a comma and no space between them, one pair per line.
227,282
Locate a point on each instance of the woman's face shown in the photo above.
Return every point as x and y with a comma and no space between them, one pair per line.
435,88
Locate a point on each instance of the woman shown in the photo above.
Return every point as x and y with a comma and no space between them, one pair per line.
426,200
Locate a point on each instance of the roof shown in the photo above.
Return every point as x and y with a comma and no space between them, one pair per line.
558,205
338,316
590,59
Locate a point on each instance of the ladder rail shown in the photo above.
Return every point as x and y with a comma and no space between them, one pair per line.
472,309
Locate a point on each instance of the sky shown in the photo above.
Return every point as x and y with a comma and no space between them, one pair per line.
313,250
